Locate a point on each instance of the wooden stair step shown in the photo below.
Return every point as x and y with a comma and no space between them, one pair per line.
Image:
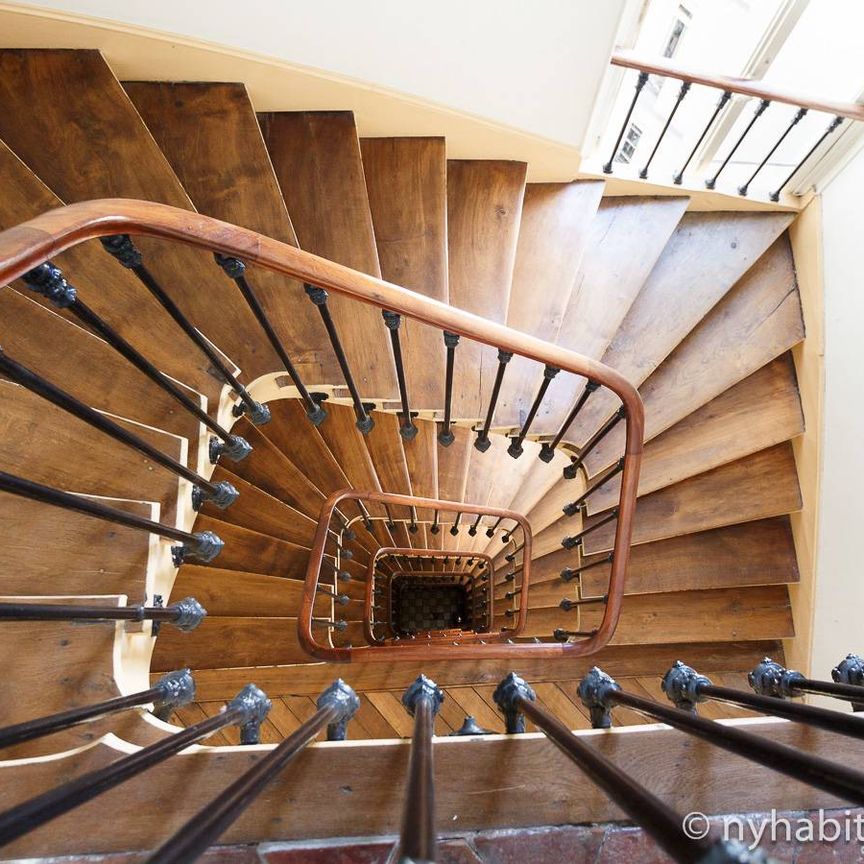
625,240
553,234
706,255
260,512
242,594
759,486
210,136
453,464
761,612
271,556
548,510
271,471
757,321
762,410
91,371
108,152
316,157
421,456
484,210
406,179
38,440
384,444
752,553
230,641
618,660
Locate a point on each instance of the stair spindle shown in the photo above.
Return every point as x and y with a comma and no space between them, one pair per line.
482,442
568,574
446,436
685,87
185,614
572,470
407,429
515,449
711,182
579,504
775,195
641,81
721,104
547,451
798,116
577,539
771,679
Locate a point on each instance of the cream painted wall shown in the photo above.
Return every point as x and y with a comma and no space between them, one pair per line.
839,599
533,66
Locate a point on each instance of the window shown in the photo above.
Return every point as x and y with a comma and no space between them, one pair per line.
628,148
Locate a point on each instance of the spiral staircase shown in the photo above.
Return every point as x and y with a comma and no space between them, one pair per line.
698,309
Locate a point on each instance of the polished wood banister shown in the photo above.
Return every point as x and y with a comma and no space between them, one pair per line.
628,59
27,245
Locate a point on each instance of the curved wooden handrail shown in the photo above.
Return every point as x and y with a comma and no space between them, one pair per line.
627,59
411,552
27,245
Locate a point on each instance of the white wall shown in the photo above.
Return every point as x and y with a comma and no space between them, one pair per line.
838,626
533,65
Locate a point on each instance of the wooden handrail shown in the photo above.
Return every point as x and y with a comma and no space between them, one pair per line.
27,245
628,59
410,552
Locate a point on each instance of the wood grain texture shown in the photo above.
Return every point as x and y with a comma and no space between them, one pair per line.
705,257
421,456
406,179
761,612
762,410
453,465
384,444
626,238
758,320
484,210
210,136
752,553
316,156
106,151
761,485
553,234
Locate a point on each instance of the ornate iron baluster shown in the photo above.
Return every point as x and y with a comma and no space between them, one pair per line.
572,469
454,528
772,679
235,269
641,81
475,525
799,114
490,531
775,195
482,442
422,700
222,494
446,436
579,504
577,539
569,605
185,614
711,182
48,280
547,451
121,247
600,693
721,104
515,448
202,546
407,429
561,635
318,296
247,710
568,574
171,691
336,706
685,87
516,699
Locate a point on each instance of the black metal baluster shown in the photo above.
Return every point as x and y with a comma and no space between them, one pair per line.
171,691
569,605
772,679
413,527
547,451
572,470
454,528
121,247
318,296
561,635
799,114
446,436
475,525
222,494
247,710
577,539
48,281
721,104
490,531
600,693
775,195
711,182
202,546
235,269
641,81
185,614
575,506
482,442
685,87
340,599
686,688
422,700
336,706
515,448
568,574
390,524
407,429
435,527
